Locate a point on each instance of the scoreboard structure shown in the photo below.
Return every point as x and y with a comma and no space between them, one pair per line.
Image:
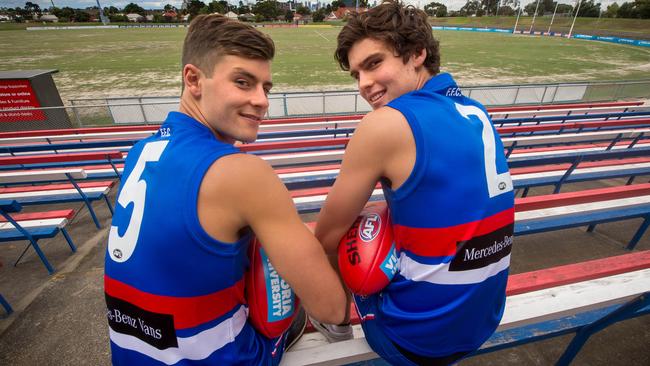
24,100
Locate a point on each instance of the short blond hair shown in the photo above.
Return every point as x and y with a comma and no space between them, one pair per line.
211,36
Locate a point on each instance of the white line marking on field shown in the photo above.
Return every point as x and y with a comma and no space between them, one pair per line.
320,34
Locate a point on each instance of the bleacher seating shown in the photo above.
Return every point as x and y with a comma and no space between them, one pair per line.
74,191
546,145
33,227
5,304
582,298
578,298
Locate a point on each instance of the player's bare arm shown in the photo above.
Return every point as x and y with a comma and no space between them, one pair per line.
382,146
241,191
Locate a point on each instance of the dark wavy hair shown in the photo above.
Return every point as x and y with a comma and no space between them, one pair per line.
405,29
211,36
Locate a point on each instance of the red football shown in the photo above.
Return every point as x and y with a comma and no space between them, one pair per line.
367,256
271,301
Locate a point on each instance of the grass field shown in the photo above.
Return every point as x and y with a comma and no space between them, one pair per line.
635,28
127,62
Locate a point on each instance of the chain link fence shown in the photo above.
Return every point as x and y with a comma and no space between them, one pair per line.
153,110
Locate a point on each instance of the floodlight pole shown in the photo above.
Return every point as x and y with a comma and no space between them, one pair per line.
552,18
498,3
514,30
534,16
574,19
103,17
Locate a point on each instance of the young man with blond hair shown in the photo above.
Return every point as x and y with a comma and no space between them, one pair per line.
187,209
445,179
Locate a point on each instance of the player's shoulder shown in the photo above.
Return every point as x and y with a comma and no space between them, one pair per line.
239,170
382,121
383,127
383,115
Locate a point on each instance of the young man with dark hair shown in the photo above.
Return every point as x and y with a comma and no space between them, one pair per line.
187,209
446,182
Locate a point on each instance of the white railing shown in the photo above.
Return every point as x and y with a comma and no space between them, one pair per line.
153,110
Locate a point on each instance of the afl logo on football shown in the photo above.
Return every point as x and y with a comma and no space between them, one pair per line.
369,227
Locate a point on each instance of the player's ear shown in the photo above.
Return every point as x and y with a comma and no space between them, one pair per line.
192,79
419,57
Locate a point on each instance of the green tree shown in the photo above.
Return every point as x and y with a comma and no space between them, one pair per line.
81,16
133,8
506,10
169,7
589,10
436,9
319,15
32,9
564,9
116,18
267,9
470,8
243,9
194,8
111,10
65,14
288,16
627,10
489,6
20,14
336,4
221,7
611,11
530,9
642,8
303,10
549,5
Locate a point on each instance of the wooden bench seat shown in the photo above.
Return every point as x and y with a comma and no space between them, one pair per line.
33,227
55,192
5,304
582,297
547,212
42,161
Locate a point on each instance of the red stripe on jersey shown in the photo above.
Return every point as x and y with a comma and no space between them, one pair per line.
441,242
187,311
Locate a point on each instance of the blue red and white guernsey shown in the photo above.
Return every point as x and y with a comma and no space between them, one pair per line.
175,295
453,223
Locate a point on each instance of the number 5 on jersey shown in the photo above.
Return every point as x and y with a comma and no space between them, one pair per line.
120,248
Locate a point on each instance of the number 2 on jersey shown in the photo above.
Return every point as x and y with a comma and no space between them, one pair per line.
497,183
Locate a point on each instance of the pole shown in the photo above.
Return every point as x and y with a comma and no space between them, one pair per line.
498,3
552,18
534,16
102,16
574,19
517,21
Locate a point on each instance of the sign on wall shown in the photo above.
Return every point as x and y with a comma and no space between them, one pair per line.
18,94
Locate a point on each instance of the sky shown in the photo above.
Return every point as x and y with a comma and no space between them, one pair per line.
451,4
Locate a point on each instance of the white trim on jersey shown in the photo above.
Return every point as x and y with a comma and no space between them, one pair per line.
196,347
439,274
